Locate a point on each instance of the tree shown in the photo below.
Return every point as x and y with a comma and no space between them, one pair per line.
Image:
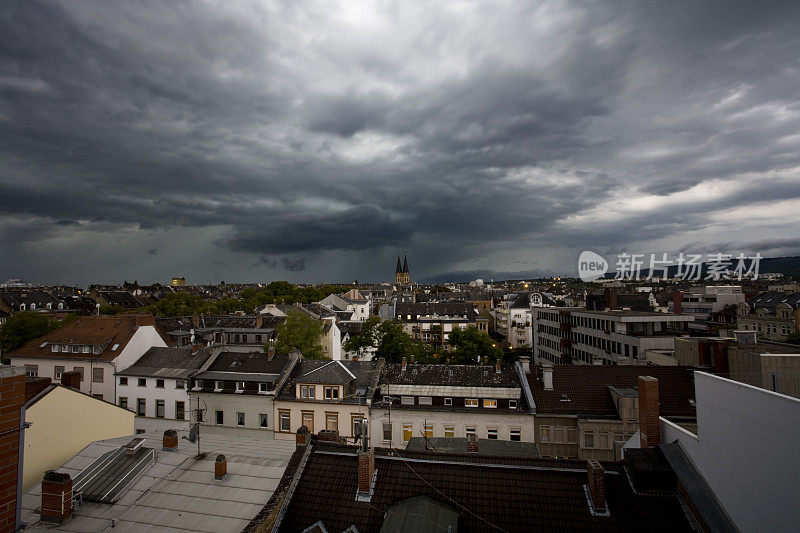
299,332
367,337
21,328
394,344
471,345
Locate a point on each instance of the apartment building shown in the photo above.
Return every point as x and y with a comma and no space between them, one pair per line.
432,322
579,336
773,315
705,302
156,387
96,348
241,333
420,400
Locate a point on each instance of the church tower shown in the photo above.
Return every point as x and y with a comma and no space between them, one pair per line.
402,276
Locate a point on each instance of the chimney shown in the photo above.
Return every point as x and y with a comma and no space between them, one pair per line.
472,443
677,302
366,471
649,425
328,435
404,365
302,437
526,363
145,320
71,379
220,467
170,440
12,402
196,320
547,377
56,497
611,298
411,357
259,320
497,367
597,485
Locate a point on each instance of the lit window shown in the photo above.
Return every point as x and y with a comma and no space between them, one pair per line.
490,404
428,430
471,402
449,432
408,430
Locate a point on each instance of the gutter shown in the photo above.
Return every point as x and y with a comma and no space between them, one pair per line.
526,388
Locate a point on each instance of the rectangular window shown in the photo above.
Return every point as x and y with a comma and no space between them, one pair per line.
240,386
408,430
490,404
262,387
425,400
58,371
491,433
96,350
55,347
355,423
602,440
262,420
141,407
308,420
123,402
122,381
79,370
220,418
198,414
331,393
512,404
198,384
307,391
449,432
180,411
239,419
180,384
87,349
217,386
544,433
286,422
515,434
407,400
471,402
588,439
97,375
332,421
159,383
142,382
428,430
572,436
448,401
76,349
387,432
159,408
469,430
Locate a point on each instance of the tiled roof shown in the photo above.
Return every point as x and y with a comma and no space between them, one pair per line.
88,331
123,298
15,297
486,447
452,309
455,375
254,362
520,495
584,389
168,362
770,300
333,373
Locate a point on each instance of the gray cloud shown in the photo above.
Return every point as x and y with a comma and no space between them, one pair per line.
311,141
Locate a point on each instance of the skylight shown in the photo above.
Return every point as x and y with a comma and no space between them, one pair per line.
114,348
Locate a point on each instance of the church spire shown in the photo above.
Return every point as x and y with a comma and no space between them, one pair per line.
399,269
405,264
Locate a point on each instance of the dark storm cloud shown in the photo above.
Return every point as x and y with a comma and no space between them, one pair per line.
476,137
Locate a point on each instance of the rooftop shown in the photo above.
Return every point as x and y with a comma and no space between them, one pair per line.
453,375
168,362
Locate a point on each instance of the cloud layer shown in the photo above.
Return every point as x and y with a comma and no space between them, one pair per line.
252,141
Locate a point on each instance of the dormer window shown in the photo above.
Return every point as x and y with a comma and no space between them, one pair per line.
96,350
217,386
307,391
448,401
55,348
331,393
33,307
87,349
471,402
198,384
262,388
490,404
512,404
240,387
49,306
76,349
114,348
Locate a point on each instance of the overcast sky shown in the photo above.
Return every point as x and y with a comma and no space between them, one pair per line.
309,141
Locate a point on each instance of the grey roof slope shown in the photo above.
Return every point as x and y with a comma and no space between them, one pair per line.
770,300
248,363
450,308
168,362
486,447
358,374
455,375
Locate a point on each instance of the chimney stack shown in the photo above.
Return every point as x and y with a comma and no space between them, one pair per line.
259,320
404,365
220,467
302,437
597,485
649,425
71,379
196,320
271,349
170,442
366,471
472,443
497,367
547,377
677,302
526,363
56,497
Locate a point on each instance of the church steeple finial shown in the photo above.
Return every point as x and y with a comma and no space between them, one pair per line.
399,269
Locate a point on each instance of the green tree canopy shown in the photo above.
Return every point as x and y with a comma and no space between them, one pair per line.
471,345
23,327
394,343
367,338
299,332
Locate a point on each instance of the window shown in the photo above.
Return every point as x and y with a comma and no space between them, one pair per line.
87,349
490,404
96,350
408,430
220,418
123,381
55,348
199,414
285,421
512,404
387,432
58,371
159,383
331,393
544,433
159,408
307,391
332,421
449,432
114,348
572,435
217,386
240,386
180,384
515,434
239,419
180,411
141,407
355,422
308,420
139,431
558,434
262,420
407,400
425,400
79,370
262,388
427,430
142,382
97,375
469,430
123,402
76,349
64,348
471,402
588,439
603,440
448,401
491,433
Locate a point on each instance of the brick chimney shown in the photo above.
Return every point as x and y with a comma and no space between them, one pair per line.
526,363
547,377
610,294
71,379
259,320
328,435
196,320
220,467
597,485
472,443
649,425
12,400
366,471
170,440
404,365
56,497
302,437
677,302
